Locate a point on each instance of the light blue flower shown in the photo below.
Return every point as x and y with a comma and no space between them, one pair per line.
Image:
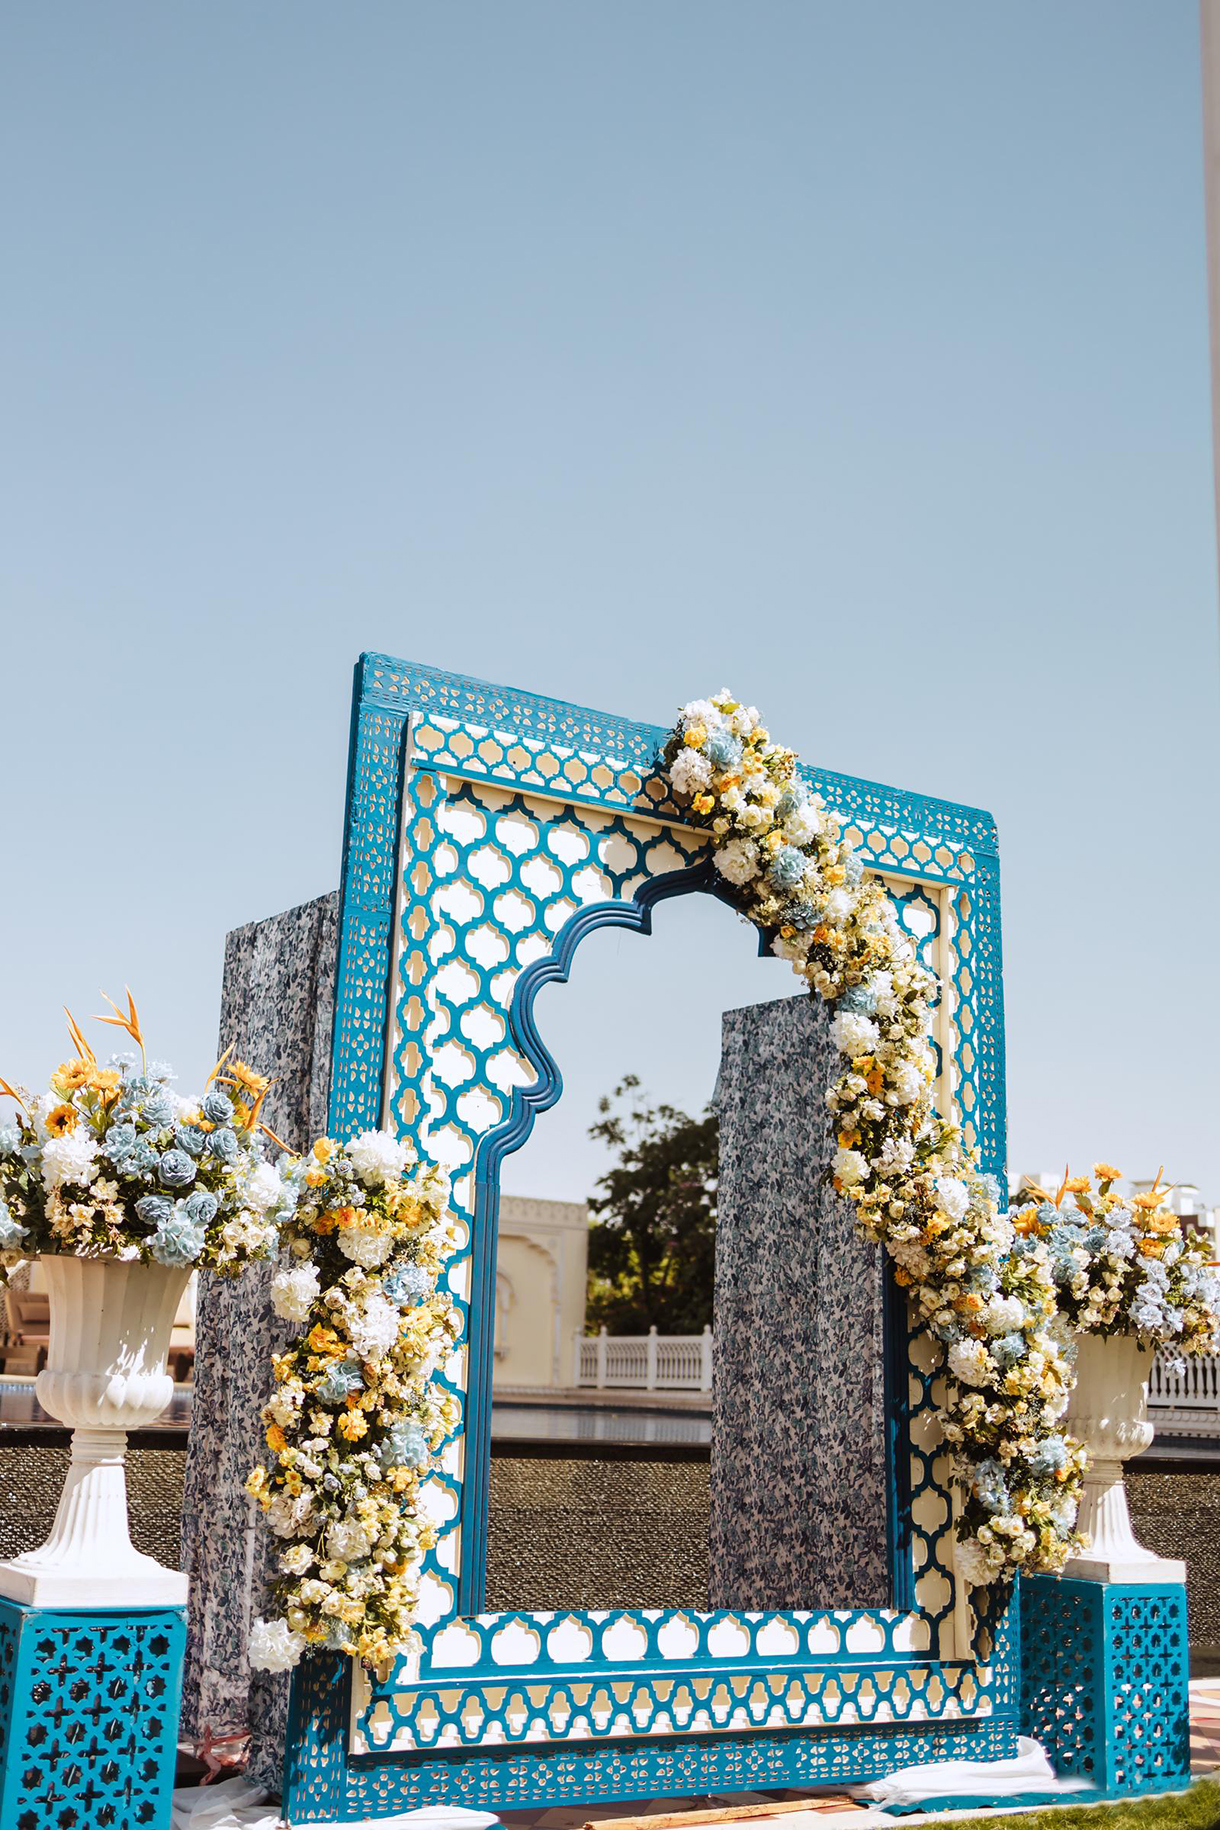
1007,1350
190,1138
162,1071
176,1169
859,999
11,1233
223,1145
787,804
801,915
991,1187
1049,1456
723,750
981,1279
176,1241
406,1285
787,868
991,1487
157,1110
405,1446
217,1107
154,1210
853,866
200,1207
119,1142
340,1381
10,1140
141,1165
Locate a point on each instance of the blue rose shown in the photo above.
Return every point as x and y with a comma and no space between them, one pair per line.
223,1145
157,1110
200,1208
154,1210
142,1162
217,1107
858,999
175,1169
190,1139
120,1141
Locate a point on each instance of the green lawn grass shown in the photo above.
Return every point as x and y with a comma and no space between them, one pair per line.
1198,1809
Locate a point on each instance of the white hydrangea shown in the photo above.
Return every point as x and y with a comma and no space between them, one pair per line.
70,1158
691,771
273,1645
348,1540
365,1246
374,1327
854,1034
1003,1314
291,1515
264,1188
970,1363
952,1196
849,1167
378,1158
743,720
801,826
839,906
973,1563
701,711
294,1292
738,861
906,1084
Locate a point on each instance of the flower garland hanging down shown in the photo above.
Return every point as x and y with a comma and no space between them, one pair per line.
355,1415
982,1290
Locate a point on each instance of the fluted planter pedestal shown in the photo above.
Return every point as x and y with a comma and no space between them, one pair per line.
1108,1412
105,1375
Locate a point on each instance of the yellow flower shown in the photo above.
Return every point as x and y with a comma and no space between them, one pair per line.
256,1482
323,1339
1106,1172
61,1119
70,1075
352,1425
696,737
276,1438
246,1077
324,1149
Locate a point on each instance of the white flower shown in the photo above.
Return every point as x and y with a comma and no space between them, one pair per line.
294,1292
701,711
849,1167
296,1560
378,1158
952,1196
1003,1314
374,1327
906,1084
839,906
348,1540
289,1515
738,861
973,1563
794,949
691,771
744,720
365,1246
274,1646
969,1362
70,1158
801,826
264,1188
854,1035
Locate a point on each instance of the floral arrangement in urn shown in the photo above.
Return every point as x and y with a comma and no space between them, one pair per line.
356,1413
1125,1264
111,1163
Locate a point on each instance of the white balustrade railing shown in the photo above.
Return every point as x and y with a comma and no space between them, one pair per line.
649,1362
1186,1401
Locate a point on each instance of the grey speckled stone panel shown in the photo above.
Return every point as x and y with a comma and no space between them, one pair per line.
277,1009
798,1473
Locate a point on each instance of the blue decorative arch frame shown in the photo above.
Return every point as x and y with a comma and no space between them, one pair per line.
896,1685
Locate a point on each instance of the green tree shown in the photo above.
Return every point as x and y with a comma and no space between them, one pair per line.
652,1242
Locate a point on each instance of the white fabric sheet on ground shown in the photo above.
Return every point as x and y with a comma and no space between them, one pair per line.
1028,1770
236,1805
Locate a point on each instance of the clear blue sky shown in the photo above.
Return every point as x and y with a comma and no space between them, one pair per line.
853,355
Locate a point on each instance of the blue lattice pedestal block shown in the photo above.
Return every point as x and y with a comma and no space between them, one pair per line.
1104,1674
88,1716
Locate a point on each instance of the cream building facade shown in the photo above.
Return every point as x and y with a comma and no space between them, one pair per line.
541,1266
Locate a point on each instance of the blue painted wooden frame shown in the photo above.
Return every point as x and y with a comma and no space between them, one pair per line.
924,840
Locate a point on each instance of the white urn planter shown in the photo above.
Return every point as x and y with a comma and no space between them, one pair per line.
105,1374
1108,1412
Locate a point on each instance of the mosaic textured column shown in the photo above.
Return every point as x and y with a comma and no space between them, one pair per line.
1104,1672
277,1009
798,1476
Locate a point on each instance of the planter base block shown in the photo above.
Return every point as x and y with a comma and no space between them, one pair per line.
141,1583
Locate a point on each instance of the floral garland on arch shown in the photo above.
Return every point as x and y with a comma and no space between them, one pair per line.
983,1290
355,1416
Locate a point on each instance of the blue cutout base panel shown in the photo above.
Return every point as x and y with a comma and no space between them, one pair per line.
1104,1681
88,1717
